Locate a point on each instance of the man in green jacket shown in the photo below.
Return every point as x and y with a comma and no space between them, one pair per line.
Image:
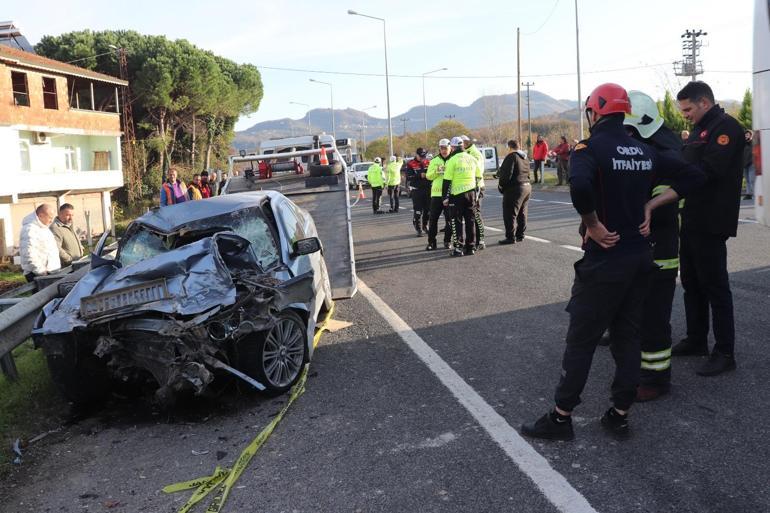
374,177
70,248
435,174
393,180
473,151
459,192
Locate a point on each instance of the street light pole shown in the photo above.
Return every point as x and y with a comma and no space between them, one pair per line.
529,117
306,114
580,95
424,105
331,95
387,79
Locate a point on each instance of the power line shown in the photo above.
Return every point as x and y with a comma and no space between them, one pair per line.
442,77
553,10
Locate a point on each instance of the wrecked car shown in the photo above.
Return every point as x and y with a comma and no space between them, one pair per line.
230,285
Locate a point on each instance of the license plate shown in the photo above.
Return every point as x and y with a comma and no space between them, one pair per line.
120,299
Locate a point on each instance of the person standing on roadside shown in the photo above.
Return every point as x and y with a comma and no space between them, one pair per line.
435,174
646,124
459,193
194,189
562,151
70,248
515,187
471,149
37,246
213,184
612,175
204,186
173,190
393,181
540,154
416,177
748,165
374,177
709,218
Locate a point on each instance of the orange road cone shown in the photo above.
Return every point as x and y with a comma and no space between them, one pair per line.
324,158
361,194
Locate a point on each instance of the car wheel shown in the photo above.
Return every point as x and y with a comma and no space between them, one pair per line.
275,357
81,377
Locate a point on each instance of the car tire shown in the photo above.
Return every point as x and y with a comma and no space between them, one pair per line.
81,377
325,170
262,354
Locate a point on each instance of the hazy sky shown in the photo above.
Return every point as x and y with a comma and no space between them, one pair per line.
474,44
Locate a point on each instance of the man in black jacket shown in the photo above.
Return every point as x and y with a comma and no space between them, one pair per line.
515,187
709,218
611,176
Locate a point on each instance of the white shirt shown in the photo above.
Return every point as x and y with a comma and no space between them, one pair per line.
39,252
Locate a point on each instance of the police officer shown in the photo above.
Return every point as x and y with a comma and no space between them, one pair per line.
709,218
416,178
516,190
459,193
646,124
435,174
470,148
392,181
610,179
374,177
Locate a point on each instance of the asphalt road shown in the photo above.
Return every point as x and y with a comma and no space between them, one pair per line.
416,406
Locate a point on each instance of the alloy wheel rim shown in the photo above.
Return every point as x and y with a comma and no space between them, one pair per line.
283,353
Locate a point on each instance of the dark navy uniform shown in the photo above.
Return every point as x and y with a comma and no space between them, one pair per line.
709,218
415,169
612,174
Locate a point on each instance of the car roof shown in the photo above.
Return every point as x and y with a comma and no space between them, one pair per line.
172,217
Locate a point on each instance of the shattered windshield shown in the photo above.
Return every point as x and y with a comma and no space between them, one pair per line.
143,243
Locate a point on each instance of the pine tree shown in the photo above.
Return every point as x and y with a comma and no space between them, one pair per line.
744,115
672,118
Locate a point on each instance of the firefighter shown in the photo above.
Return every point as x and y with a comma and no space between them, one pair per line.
709,218
646,124
416,179
472,150
436,175
374,177
459,193
610,179
392,181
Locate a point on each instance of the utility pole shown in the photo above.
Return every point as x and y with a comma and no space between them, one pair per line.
529,117
690,65
518,81
404,120
580,94
134,178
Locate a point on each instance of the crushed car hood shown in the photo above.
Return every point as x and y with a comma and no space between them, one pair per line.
196,280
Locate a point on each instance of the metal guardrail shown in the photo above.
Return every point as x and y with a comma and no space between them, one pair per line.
18,314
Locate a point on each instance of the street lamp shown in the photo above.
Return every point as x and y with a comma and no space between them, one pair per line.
331,94
307,114
424,106
387,80
113,50
363,128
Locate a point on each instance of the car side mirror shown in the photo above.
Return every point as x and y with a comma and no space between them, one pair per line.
305,246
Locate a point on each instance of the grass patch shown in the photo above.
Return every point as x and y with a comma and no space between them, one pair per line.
30,405
12,276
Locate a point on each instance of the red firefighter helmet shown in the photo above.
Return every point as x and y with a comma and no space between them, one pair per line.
609,99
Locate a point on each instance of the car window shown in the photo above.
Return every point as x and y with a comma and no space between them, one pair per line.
141,244
291,218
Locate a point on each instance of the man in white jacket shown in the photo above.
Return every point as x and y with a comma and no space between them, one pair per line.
39,252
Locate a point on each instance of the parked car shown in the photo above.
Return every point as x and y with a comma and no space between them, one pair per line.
357,174
232,284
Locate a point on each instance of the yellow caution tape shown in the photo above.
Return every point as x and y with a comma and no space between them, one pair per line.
222,480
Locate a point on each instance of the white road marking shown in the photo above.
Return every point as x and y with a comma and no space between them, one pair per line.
492,228
553,485
573,248
752,221
537,239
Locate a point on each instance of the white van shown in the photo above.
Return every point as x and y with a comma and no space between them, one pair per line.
761,107
490,158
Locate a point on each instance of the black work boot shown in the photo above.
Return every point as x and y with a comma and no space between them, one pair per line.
615,423
687,347
716,364
506,241
550,426
431,246
456,252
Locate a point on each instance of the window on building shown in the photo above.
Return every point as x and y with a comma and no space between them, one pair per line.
20,89
49,93
24,155
70,158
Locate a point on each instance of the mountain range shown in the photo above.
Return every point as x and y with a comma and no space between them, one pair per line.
485,111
